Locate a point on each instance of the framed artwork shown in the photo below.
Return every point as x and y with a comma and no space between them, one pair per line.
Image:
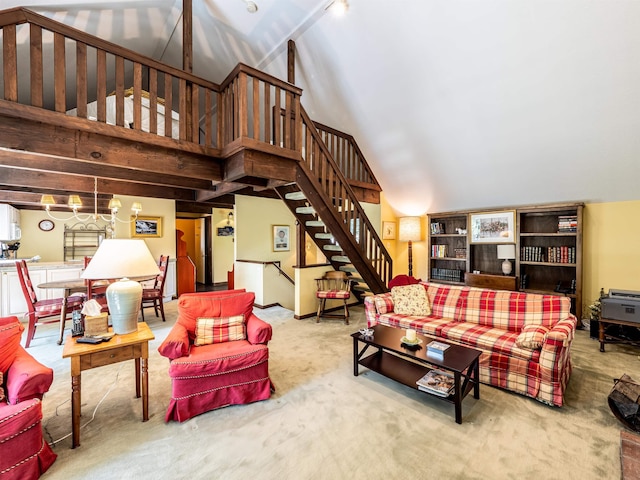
225,231
388,230
146,227
493,227
281,238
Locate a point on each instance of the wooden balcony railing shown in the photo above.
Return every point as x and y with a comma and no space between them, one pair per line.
348,157
252,106
345,208
68,69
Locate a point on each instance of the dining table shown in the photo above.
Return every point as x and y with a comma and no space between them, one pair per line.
69,286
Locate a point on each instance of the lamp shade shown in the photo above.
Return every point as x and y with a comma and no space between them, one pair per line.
506,251
124,259
409,229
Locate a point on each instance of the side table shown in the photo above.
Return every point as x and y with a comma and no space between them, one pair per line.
130,346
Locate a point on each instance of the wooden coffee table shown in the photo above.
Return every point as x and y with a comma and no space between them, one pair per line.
129,346
406,365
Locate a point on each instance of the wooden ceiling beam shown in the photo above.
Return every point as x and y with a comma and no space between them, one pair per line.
65,183
34,161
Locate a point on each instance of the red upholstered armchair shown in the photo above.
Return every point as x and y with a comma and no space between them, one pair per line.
226,372
23,451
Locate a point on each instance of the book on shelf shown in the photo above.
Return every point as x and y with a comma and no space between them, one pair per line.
567,223
437,347
437,228
437,382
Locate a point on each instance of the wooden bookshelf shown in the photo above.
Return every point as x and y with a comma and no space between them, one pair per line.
548,258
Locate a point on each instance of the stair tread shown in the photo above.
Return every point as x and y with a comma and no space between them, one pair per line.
295,196
306,210
340,258
335,248
314,223
324,236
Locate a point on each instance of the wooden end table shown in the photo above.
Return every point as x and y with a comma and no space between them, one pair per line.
407,365
130,346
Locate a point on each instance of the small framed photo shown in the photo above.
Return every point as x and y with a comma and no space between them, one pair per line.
493,227
146,227
388,230
281,238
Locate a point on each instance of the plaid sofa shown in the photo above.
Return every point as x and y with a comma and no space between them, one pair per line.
496,322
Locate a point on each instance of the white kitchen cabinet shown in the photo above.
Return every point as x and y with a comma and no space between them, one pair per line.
58,274
12,301
9,223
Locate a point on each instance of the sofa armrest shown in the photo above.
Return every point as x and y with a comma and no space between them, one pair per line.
27,378
376,305
556,348
176,344
258,331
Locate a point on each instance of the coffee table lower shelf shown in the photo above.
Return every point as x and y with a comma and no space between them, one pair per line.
404,372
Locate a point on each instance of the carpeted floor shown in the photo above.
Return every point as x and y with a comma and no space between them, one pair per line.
324,423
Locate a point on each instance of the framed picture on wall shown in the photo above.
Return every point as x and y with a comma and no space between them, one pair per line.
493,227
280,238
146,227
388,230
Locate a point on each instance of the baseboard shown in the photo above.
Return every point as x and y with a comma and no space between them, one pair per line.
267,306
309,315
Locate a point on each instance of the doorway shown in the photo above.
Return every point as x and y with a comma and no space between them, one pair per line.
197,236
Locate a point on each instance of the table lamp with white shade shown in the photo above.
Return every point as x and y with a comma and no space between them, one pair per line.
122,259
506,252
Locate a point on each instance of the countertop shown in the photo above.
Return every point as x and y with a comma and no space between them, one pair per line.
9,265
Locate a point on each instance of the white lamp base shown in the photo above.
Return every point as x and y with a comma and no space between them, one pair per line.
506,267
124,298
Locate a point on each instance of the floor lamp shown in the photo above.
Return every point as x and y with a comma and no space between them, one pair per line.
122,259
409,231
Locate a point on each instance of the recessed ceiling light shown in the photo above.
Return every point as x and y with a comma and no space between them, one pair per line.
251,6
338,7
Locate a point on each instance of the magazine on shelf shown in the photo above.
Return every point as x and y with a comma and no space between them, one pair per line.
438,382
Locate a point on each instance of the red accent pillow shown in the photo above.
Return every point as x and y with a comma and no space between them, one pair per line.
401,280
10,334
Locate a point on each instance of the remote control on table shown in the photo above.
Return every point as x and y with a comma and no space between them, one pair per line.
91,340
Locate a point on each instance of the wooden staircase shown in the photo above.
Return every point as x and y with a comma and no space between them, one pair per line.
325,205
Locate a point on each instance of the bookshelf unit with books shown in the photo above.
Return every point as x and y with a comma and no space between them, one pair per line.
549,251
448,247
548,243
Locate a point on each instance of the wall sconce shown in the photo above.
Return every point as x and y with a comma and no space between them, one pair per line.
229,218
409,231
506,253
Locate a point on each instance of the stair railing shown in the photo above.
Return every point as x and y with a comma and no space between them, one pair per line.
363,245
348,157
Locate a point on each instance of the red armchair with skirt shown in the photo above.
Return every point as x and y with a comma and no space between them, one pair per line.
218,353
23,381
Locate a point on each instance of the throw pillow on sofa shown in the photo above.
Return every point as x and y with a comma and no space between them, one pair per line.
2,395
219,330
532,336
411,300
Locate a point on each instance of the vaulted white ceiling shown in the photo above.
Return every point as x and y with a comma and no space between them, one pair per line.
456,104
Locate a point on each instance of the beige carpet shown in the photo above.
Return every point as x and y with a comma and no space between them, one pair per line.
325,423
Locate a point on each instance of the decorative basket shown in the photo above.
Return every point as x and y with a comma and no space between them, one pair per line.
96,325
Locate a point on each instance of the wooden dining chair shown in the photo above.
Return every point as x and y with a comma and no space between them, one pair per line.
153,297
97,289
43,309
